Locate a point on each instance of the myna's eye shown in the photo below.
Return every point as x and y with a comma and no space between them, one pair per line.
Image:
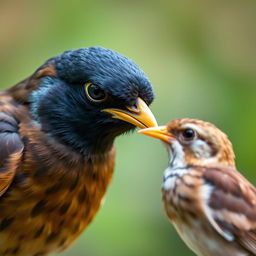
95,93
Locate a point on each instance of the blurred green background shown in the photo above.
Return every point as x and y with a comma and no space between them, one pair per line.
201,58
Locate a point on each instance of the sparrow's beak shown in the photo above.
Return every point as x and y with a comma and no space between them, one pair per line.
140,115
160,132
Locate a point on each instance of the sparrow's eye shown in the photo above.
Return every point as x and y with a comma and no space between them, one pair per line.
188,134
95,93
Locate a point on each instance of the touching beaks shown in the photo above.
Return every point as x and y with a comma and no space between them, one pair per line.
159,132
140,116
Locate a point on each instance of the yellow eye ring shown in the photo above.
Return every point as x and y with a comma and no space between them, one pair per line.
95,93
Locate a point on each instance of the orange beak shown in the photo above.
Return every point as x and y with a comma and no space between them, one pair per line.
140,116
159,132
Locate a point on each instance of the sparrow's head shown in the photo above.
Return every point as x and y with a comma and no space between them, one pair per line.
84,98
194,142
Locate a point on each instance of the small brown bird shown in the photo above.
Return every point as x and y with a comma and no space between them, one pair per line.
57,130
212,206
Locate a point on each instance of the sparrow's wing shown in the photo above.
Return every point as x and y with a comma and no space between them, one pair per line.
248,240
11,147
230,206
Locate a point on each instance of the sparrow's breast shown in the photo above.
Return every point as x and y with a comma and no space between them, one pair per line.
179,189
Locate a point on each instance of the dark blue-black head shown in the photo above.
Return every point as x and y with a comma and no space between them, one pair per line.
87,97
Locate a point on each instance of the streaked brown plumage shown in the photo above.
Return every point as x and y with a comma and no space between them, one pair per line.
212,206
51,183
55,192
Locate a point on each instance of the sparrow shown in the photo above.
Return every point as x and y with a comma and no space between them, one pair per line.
211,205
57,130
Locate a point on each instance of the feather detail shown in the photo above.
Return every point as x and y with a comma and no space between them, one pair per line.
10,150
232,206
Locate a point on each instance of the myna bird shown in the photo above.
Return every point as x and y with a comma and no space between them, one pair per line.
57,129
212,206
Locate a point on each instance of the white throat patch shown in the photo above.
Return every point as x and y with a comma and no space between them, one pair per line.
176,165
176,155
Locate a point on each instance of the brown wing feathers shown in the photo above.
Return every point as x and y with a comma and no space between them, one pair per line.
10,150
233,202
